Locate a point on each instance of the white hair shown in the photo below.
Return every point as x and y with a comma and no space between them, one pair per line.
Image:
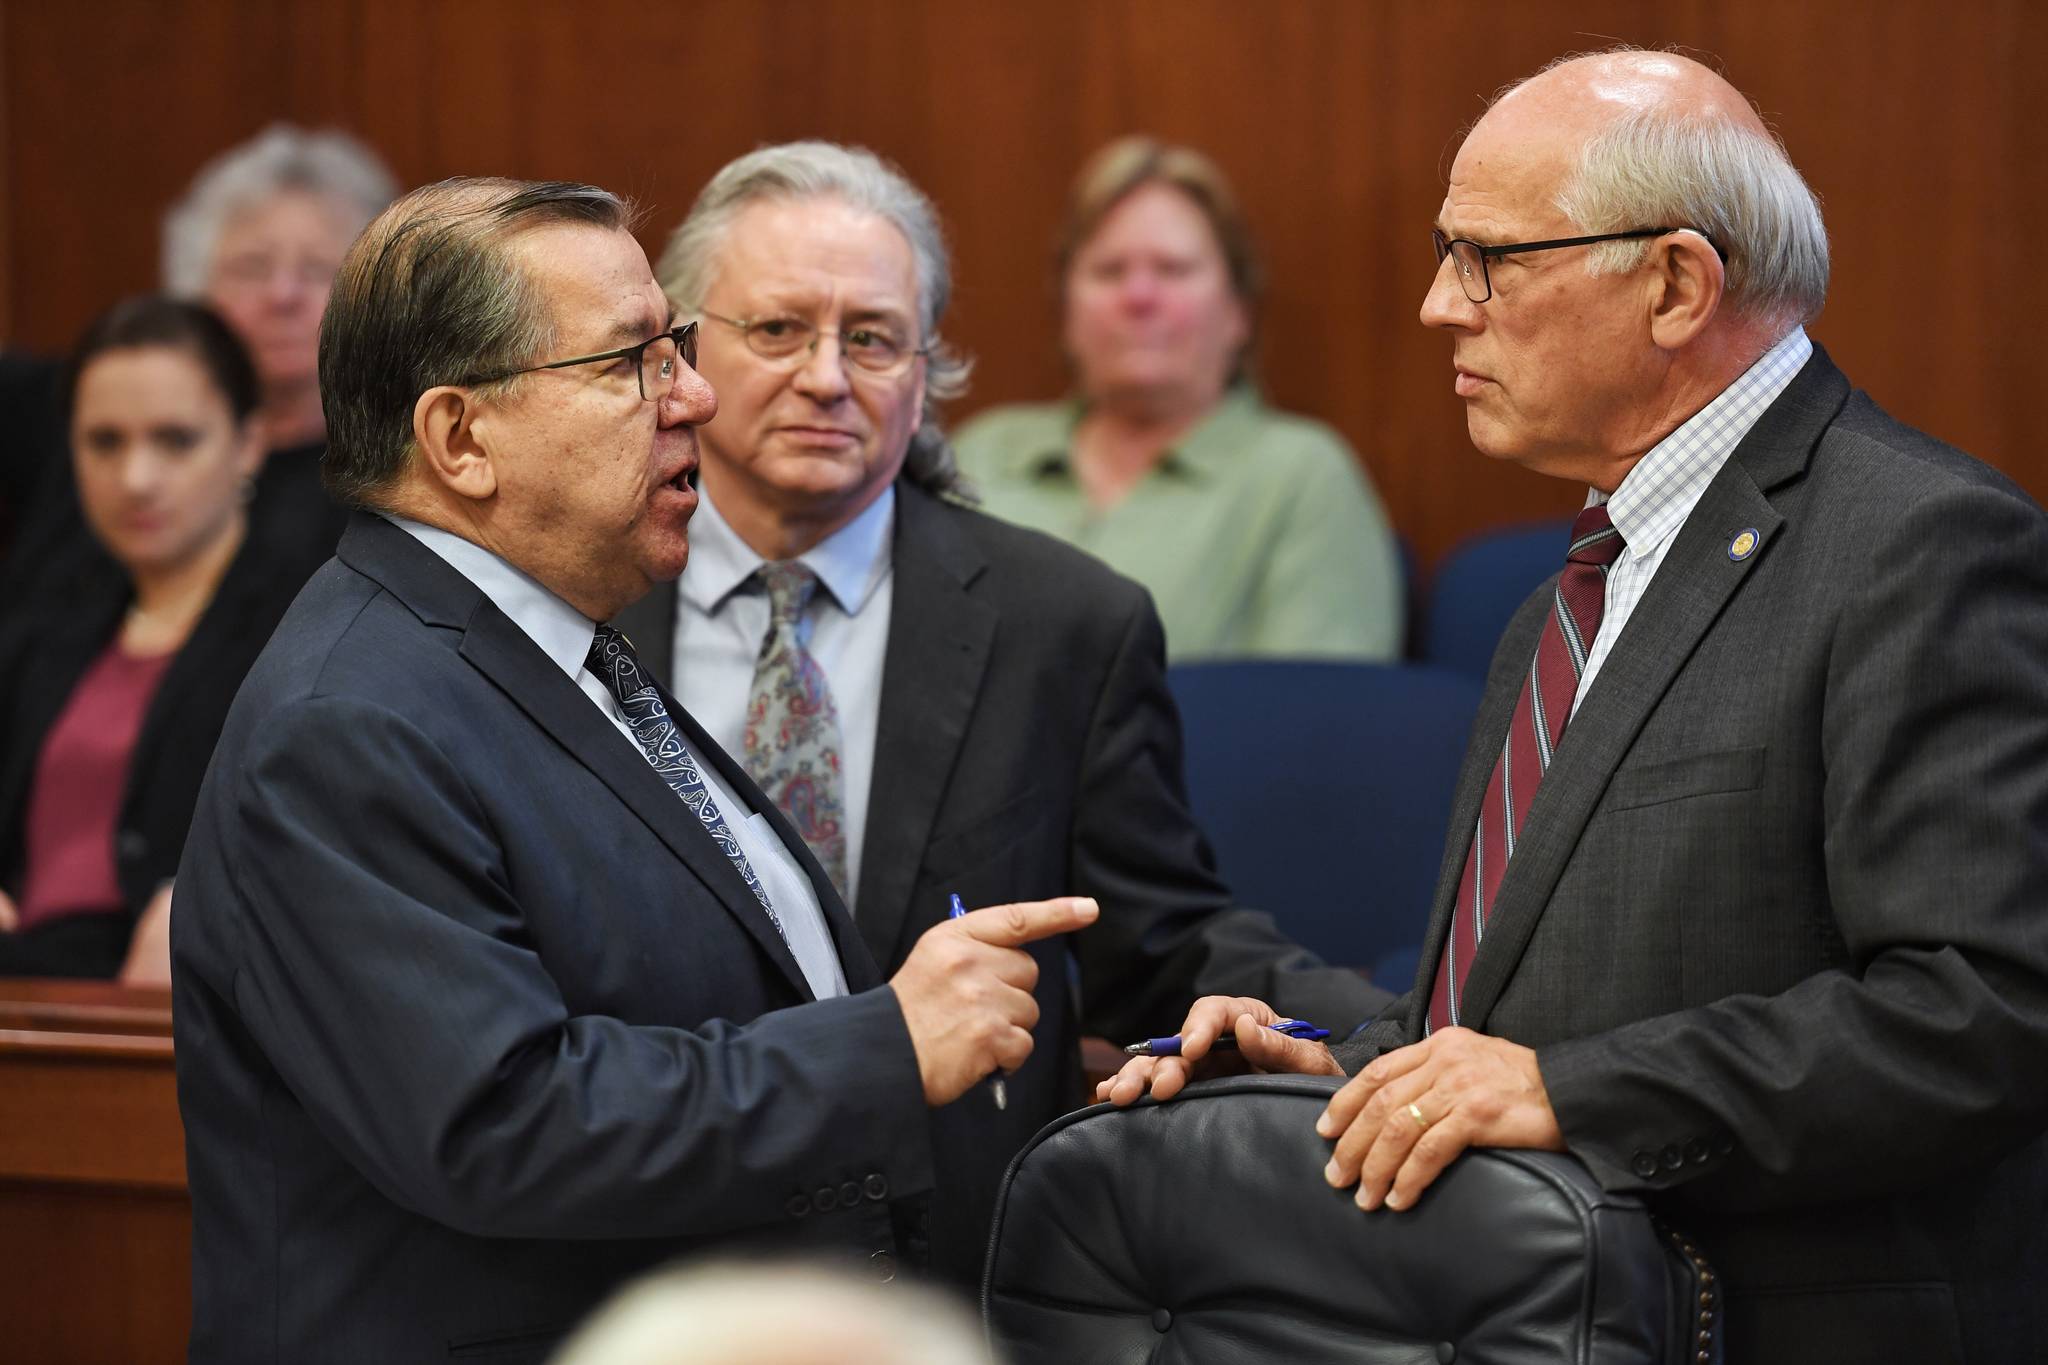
1735,184
857,177
282,157
776,1315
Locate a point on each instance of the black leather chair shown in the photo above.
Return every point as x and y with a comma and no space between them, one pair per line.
1202,1231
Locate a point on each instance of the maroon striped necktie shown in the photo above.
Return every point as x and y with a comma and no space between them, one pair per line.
1540,715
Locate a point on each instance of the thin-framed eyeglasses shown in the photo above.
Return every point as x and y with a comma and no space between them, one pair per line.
872,347
654,359
1470,257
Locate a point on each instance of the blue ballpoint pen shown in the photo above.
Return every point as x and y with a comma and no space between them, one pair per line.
1170,1047
996,1085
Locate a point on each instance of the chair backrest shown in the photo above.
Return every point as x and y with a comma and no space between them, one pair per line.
1477,587
1202,1230
1325,789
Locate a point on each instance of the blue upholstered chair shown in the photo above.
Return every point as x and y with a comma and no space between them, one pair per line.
1325,789
1477,587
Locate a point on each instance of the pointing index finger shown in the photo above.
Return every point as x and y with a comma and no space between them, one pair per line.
1011,926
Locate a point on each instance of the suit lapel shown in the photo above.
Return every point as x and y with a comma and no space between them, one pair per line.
854,959
939,641
1489,728
502,652
1692,587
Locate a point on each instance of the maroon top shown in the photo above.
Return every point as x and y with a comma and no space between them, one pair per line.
81,780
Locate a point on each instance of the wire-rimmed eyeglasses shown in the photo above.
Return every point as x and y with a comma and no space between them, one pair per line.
872,346
654,359
1470,257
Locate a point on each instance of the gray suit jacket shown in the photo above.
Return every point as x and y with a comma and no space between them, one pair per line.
1027,747
1775,922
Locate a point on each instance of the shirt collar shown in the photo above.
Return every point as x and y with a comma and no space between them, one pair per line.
1656,496
562,632
851,562
1219,439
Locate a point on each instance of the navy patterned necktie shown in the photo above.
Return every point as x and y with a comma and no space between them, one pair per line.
614,662
1548,688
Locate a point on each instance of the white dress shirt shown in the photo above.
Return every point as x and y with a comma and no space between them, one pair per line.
564,635
1660,492
722,619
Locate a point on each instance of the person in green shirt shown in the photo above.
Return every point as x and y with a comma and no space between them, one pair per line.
1255,530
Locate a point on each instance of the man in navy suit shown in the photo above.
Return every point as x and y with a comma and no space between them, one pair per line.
496,980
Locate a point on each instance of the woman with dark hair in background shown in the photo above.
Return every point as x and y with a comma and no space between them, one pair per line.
1255,530
115,683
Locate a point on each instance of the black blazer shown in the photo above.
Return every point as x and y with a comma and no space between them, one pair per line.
48,644
1027,747
1774,924
474,1020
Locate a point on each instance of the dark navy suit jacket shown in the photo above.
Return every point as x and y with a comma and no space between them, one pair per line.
474,1020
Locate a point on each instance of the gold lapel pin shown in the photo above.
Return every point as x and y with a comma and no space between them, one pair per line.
1744,545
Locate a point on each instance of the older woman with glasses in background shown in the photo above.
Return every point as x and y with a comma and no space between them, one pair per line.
258,237
114,689
1256,531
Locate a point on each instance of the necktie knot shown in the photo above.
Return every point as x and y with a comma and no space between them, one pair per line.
790,583
1594,538
612,659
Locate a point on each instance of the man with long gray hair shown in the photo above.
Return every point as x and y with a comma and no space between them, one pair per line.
940,702
1750,851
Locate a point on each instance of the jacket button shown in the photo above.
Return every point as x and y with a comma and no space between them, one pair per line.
1445,1353
884,1266
1724,1145
825,1200
1643,1164
1696,1151
875,1187
1161,1319
849,1194
131,843
798,1205
1673,1158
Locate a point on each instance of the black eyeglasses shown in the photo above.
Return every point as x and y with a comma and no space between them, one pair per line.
654,358
1471,257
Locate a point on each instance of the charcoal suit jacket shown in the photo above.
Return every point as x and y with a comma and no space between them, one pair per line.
1027,747
1776,923
474,1020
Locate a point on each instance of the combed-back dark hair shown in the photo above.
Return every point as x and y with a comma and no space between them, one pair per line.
430,294
153,321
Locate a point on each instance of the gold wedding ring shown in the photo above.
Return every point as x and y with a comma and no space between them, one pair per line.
1416,1114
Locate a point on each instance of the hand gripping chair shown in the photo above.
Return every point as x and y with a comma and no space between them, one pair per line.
1203,1231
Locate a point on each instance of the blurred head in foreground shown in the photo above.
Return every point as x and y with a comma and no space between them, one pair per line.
736,1314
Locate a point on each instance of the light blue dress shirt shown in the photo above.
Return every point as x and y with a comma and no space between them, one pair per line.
564,635
721,620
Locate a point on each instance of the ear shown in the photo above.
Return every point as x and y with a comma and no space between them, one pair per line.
1687,281
453,453
249,449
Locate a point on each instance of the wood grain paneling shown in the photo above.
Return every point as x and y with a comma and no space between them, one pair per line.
1336,117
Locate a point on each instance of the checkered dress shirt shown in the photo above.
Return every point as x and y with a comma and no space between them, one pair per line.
1667,483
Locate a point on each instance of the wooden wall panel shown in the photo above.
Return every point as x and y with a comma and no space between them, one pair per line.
1336,117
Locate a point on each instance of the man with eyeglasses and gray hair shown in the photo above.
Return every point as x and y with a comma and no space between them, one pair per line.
1744,900
941,703
497,982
